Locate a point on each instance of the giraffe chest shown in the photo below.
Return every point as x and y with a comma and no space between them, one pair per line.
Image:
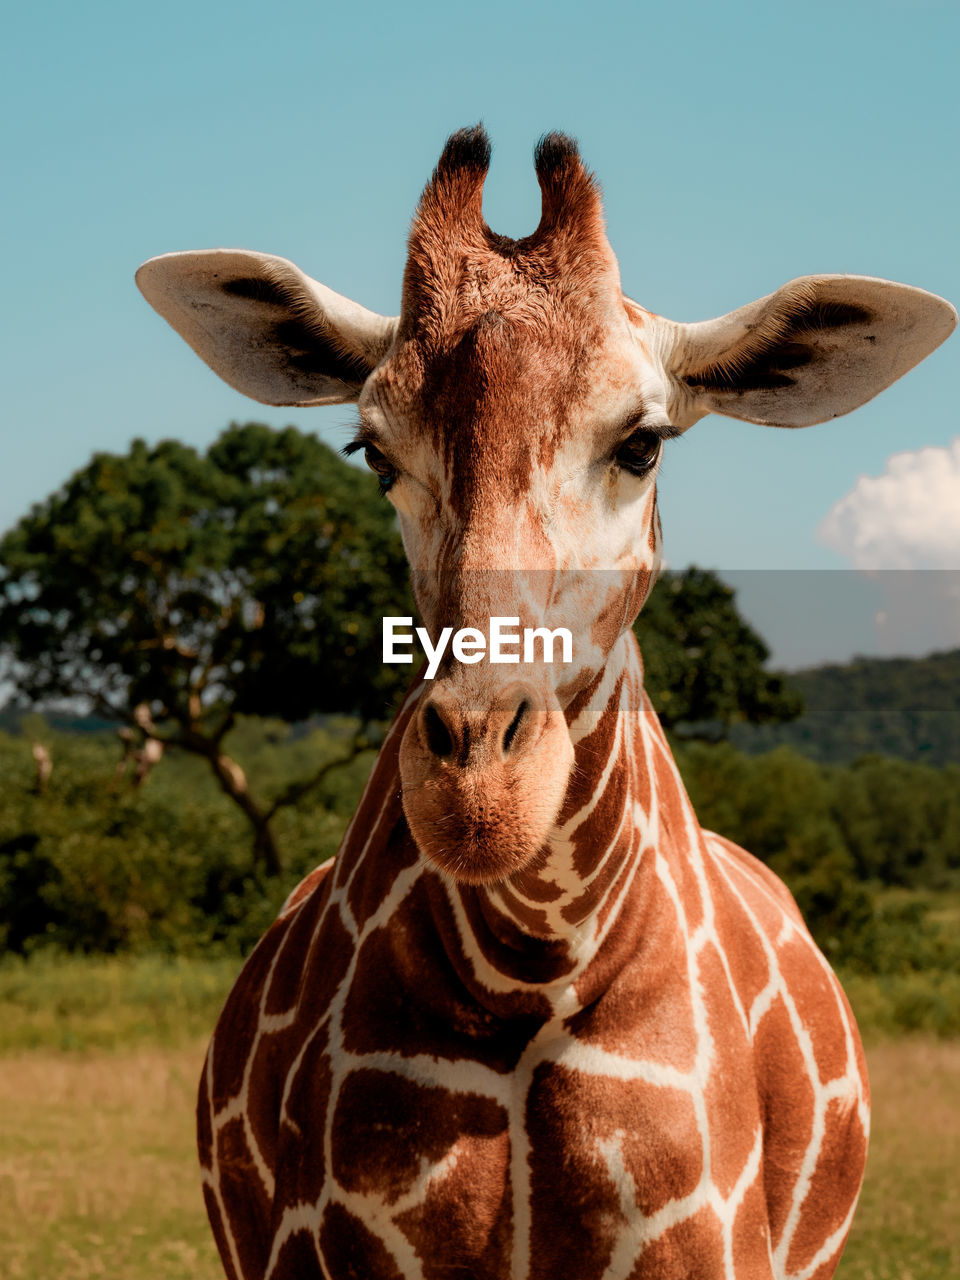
445,1168
425,1164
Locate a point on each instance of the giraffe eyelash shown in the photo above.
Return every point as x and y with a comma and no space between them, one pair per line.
381,466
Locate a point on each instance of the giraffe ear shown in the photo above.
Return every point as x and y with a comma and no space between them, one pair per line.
266,328
817,348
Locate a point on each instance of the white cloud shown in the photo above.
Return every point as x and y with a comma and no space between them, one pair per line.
906,518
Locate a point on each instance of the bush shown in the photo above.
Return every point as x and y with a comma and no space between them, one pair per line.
900,821
86,868
890,1005
835,836
90,868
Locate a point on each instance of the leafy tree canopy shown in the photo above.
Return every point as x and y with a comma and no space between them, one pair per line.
176,590
250,579
703,664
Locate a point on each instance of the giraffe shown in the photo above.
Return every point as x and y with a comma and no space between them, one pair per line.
533,1020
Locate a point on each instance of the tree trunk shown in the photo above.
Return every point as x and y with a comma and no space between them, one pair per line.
298,791
233,783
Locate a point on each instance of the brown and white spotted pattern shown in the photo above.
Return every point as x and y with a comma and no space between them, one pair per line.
533,1021
405,1084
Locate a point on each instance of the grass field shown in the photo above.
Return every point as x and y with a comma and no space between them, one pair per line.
908,1223
97,1169
85,1003
98,1175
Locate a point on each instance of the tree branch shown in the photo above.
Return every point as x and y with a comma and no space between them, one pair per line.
297,791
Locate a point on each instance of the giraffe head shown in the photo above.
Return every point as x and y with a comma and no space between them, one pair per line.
515,413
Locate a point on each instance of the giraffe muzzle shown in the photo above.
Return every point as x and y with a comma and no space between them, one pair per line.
454,732
484,775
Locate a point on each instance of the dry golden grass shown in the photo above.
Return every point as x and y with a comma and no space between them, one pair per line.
908,1223
97,1168
98,1175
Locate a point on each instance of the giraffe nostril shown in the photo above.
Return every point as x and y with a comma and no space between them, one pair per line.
439,738
514,726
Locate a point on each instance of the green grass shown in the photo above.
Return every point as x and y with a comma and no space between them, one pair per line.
82,1003
890,1005
99,1063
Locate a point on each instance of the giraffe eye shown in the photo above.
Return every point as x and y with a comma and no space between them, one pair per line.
381,467
639,452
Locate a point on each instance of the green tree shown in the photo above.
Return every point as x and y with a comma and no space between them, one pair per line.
778,807
174,591
900,820
704,665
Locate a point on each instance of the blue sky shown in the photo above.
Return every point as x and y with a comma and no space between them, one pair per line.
738,145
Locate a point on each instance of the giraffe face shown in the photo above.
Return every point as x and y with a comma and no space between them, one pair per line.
515,411
517,426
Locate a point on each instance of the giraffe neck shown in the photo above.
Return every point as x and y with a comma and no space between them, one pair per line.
563,927
603,822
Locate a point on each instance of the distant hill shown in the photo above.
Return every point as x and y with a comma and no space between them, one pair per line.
60,721
906,707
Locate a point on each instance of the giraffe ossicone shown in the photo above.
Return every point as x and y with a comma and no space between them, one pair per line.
533,1020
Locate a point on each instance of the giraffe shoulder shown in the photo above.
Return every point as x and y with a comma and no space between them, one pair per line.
760,889
267,987
308,885
239,1096
798,1016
